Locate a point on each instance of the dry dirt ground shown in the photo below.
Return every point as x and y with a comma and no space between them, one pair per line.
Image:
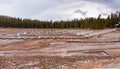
59,49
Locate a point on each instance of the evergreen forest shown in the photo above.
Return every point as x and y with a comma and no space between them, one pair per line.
87,23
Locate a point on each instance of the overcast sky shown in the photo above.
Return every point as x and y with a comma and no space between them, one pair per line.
58,9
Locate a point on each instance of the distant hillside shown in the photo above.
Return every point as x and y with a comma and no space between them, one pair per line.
87,23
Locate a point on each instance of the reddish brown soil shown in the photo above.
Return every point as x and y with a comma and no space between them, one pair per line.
58,53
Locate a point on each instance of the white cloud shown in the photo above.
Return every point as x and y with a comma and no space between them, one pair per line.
67,10
57,9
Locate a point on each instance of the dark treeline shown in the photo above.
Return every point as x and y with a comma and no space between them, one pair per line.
87,23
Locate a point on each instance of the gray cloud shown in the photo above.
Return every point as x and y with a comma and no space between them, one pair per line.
58,9
112,3
81,12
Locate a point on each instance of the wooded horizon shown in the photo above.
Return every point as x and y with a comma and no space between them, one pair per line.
87,23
